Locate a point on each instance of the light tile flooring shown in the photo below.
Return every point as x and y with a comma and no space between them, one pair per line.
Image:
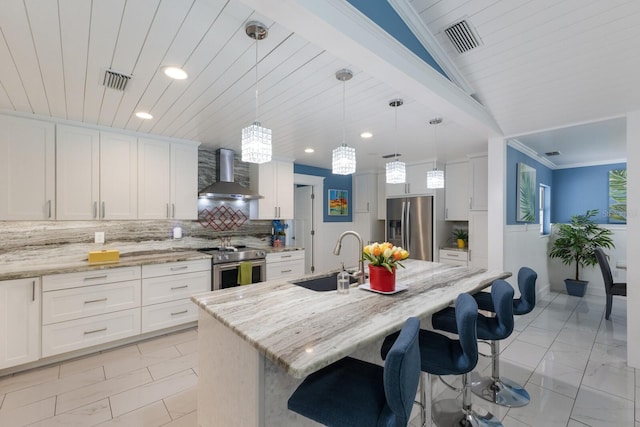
571,360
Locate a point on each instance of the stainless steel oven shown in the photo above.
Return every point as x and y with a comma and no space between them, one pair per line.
225,262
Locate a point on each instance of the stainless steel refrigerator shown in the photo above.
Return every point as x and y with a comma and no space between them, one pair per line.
410,225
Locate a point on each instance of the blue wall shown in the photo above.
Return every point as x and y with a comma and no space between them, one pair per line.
333,182
544,175
381,12
579,189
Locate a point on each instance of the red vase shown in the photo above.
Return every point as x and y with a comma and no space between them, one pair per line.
381,280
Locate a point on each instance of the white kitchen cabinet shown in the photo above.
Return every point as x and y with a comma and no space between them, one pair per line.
285,265
27,169
416,182
167,289
478,239
479,183
77,173
365,193
167,180
118,176
453,257
274,181
89,308
19,321
456,191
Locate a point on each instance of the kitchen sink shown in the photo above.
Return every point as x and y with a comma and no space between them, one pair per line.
322,283
152,252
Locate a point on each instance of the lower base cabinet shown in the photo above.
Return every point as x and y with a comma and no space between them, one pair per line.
19,321
168,314
453,257
285,265
63,337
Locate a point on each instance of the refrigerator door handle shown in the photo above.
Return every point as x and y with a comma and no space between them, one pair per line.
403,232
408,231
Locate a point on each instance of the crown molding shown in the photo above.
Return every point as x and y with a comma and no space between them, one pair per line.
514,143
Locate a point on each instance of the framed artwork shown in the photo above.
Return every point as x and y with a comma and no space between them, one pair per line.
338,202
526,197
618,196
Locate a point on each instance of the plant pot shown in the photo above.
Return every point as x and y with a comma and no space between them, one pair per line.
381,280
460,243
576,288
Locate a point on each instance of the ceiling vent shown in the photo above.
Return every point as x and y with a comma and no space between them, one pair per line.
388,156
552,153
462,36
115,80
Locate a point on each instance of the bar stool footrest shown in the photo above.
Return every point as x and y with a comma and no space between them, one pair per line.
503,392
449,413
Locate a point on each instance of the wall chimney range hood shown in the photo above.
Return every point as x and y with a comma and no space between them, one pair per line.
225,187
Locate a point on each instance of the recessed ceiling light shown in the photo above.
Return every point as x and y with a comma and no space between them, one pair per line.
144,115
366,135
176,73
309,150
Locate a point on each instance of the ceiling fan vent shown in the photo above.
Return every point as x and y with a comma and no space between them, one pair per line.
115,80
462,36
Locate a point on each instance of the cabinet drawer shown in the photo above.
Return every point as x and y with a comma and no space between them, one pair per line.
169,288
74,303
93,277
155,270
453,255
285,270
160,316
285,256
76,334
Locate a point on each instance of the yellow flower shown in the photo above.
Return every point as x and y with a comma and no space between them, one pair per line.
384,254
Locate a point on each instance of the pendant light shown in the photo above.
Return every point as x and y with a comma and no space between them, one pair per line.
344,157
396,170
256,140
435,178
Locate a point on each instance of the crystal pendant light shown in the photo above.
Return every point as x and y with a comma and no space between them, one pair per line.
435,178
256,140
344,157
396,170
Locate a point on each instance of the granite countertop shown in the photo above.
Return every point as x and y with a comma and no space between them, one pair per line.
303,331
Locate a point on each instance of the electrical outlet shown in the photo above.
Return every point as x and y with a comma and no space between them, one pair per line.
99,237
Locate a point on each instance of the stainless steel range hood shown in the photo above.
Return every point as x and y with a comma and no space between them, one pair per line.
225,187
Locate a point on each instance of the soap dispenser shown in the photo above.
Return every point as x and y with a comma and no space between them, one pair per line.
343,281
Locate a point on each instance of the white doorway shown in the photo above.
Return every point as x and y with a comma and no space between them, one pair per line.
307,187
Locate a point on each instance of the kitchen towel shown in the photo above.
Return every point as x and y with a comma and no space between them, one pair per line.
245,271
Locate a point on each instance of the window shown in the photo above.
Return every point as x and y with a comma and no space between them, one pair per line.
544,209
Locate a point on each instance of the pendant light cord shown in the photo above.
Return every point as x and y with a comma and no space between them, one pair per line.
395,154
344,114
257,80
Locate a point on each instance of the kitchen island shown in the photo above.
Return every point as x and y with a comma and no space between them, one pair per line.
257,343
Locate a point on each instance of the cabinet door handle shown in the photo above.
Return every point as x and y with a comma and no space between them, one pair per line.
453,255
367,206
33,290
179,287
103,209
446,213
95,210
167,210
95,331
469,254
49,208
173,210
286,271
180,312
470,202
95,277
286,256
182,267
95,300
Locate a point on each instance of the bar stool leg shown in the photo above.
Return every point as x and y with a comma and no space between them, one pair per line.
501,391
448,413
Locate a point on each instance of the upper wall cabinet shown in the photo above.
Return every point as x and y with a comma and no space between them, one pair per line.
167,180
456,192
365,193
274,182
27,169
479,183
416,182
96,174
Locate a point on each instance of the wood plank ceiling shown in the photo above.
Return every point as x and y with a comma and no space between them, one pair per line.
53,55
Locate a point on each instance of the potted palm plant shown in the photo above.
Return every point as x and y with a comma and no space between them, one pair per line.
575,242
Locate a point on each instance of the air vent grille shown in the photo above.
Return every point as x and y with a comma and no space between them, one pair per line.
462,37
552,153
388,156
115,80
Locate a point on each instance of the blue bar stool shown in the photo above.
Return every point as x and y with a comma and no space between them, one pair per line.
503,391
441,355
497,327
355,393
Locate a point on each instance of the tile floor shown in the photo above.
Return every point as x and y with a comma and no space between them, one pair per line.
571,360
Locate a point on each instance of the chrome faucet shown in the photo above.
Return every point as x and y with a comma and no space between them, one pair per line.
336,251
